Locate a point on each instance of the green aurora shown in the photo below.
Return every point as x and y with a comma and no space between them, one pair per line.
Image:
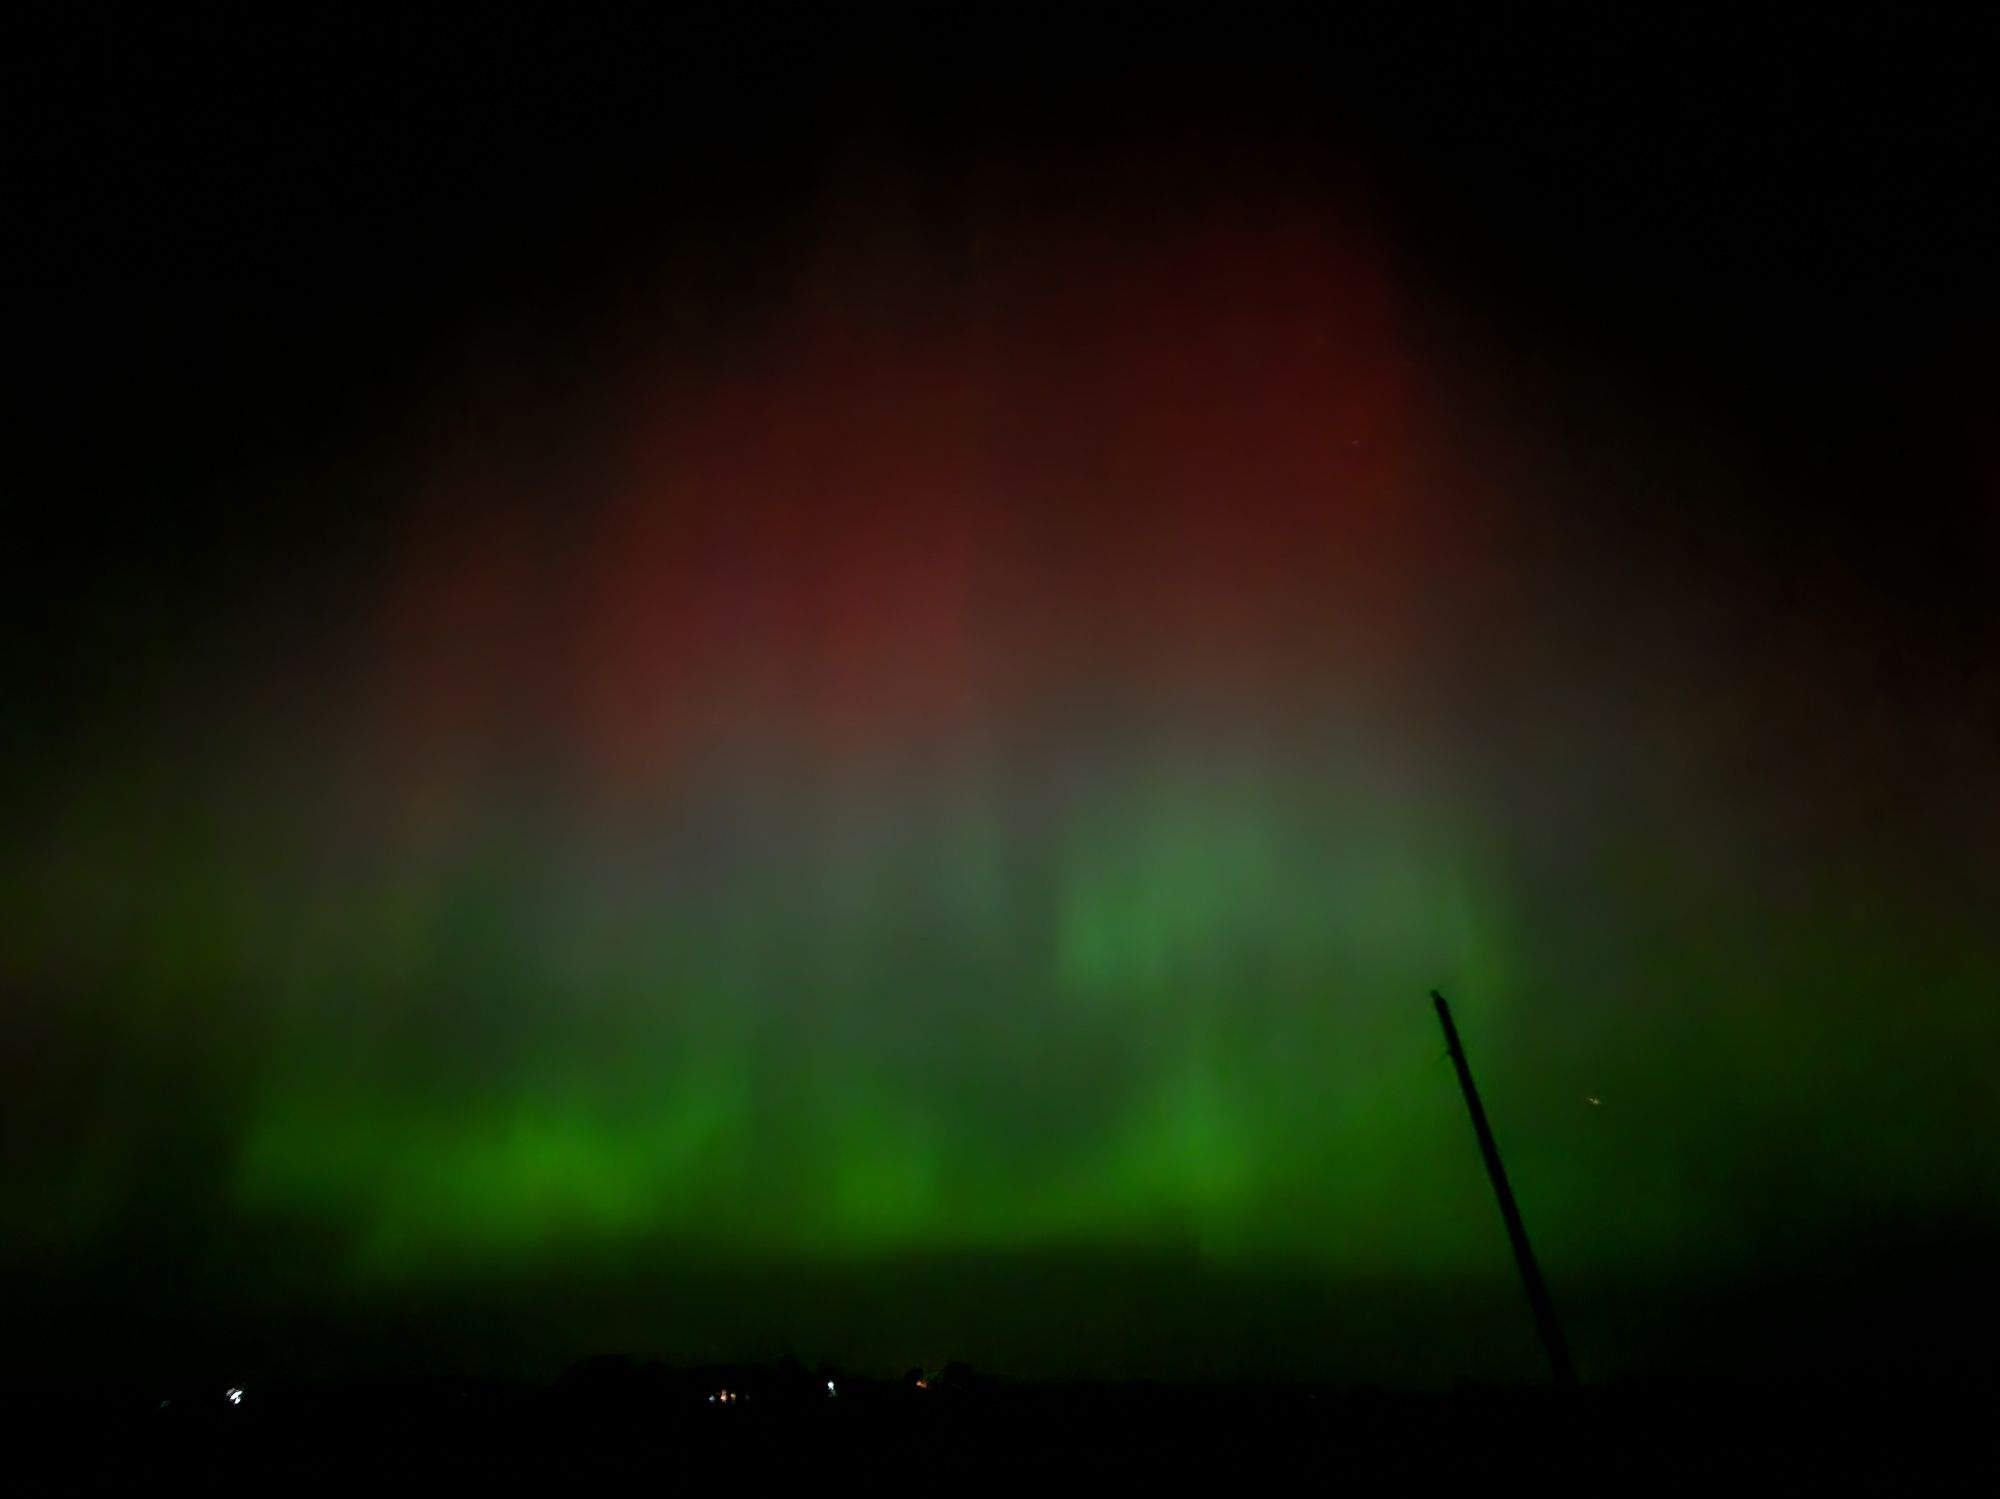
903,793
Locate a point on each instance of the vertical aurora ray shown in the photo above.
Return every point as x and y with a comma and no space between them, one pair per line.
940,791
989,759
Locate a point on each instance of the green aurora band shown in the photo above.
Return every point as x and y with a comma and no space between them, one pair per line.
808,831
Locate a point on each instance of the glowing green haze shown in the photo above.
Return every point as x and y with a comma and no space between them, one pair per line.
986,772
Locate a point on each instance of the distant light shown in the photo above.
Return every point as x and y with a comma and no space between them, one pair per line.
1598,1101
923,1384
830,1389
235,1395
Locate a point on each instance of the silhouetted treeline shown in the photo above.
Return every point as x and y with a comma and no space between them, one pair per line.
614,1418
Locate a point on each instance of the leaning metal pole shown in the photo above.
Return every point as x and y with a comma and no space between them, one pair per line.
1517,1233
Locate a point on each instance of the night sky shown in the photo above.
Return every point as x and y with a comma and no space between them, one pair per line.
731,692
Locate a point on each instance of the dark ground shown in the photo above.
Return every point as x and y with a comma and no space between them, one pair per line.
614,1421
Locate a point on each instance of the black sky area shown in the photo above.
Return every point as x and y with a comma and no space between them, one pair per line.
248,248
236,230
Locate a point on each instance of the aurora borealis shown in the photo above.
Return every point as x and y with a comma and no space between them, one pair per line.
959,730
